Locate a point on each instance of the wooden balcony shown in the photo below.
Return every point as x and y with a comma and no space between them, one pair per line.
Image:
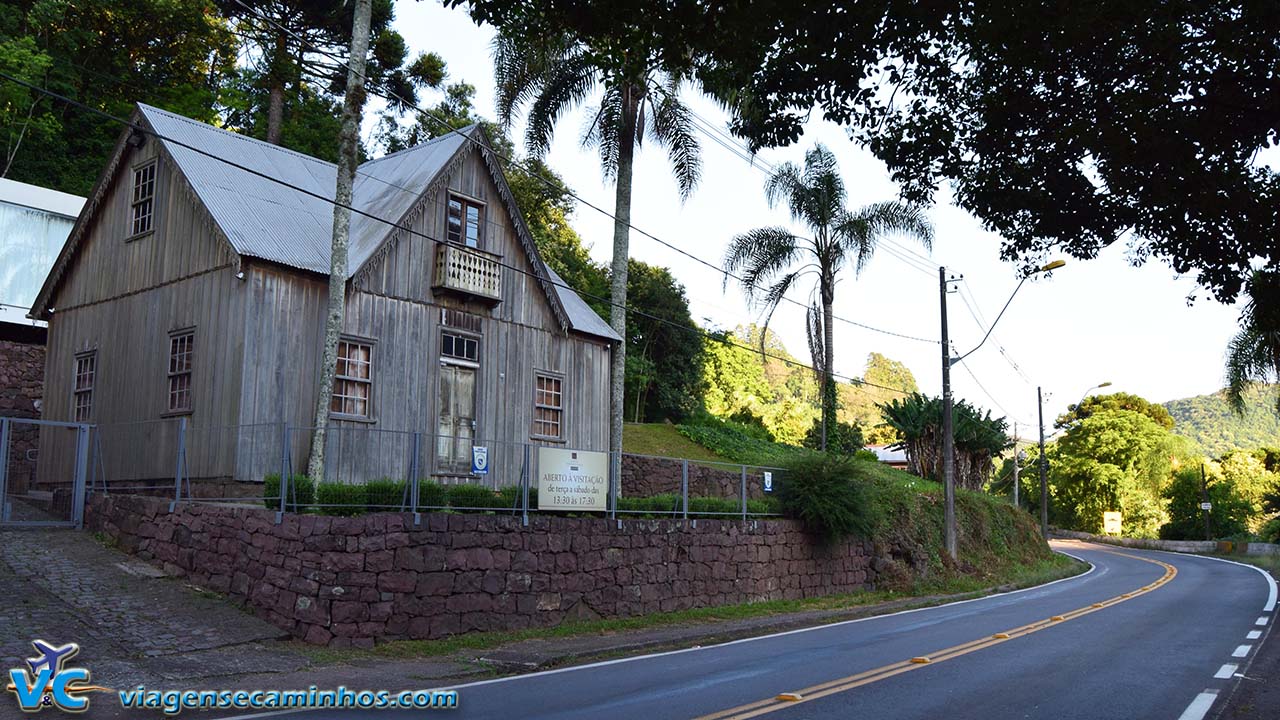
469,272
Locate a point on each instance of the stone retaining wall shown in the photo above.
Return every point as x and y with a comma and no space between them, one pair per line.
350,581
644,476
21,390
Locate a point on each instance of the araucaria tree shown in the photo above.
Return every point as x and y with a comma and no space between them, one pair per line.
771,260
551,75
1253,355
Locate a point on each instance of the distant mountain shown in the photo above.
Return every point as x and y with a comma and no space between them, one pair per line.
1208,420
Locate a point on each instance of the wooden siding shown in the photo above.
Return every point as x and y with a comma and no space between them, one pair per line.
407,267
109,264
285,322
130,334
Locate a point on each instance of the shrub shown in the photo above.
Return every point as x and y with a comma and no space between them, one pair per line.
301,492
473,496
841,438
825,495
432,494
384,495
868,455
737,443
714,507
1270,531
510,496
333,498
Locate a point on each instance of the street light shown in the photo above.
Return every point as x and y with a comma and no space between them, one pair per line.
948,439
1044,461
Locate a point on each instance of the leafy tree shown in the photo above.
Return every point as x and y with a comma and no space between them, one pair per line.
175,54
1059,125
1110,403
309,127
773,259
1253,355
741,384
666,379
1228,517
301,52
550,73
860,403
1210,421
843,438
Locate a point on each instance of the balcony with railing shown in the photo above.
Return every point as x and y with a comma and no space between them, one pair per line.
468,271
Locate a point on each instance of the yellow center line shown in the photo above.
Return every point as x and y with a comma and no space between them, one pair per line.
794,697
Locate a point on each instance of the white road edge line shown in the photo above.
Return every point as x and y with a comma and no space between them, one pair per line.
1253,635
1200,706
1226,671
618,661
1242,651
1267,607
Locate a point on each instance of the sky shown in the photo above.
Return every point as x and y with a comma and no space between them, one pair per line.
1090,322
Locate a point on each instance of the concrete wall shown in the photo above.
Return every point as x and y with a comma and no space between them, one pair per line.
1187,546
350,581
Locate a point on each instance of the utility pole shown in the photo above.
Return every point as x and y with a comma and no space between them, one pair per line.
1204,500
948,442
1015,464
1044,472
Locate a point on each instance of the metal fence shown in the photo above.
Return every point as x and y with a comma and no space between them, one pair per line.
29,497
375,469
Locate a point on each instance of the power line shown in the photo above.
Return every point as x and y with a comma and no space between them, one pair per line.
411,231
426,113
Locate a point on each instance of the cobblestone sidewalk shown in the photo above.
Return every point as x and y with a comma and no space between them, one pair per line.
133,624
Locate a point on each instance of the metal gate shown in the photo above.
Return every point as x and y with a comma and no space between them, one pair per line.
43,465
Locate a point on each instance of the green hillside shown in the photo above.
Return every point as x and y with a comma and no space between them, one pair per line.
1208,420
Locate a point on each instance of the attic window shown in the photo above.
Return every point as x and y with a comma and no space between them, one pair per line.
464,221
144,193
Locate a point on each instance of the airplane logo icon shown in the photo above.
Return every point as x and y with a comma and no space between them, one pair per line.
51,657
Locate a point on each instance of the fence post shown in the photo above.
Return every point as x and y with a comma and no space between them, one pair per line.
744,493
284,467
615,483
4,469
524,482
684,489
414,497
82,466
177,464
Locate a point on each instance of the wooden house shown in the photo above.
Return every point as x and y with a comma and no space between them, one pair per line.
194,285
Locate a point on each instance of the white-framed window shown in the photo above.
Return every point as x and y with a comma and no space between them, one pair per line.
144,194
457,346
548,406
465,221
86,371
182,348
353,379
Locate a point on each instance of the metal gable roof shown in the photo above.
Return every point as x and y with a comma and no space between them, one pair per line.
581,317
274,221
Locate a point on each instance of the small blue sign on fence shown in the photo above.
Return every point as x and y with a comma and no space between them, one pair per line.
479,460
768,481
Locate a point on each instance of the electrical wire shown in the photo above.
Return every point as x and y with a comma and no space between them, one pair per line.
411,231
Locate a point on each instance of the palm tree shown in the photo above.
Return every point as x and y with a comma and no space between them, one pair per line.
1253,355
773,259
551,76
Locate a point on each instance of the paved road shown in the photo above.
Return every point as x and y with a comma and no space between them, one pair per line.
1140,636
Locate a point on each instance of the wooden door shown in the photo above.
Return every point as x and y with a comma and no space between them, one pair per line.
457,428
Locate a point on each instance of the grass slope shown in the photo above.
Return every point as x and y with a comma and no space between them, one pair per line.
663,440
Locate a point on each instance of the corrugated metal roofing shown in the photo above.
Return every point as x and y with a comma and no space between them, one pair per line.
581,317
273,221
